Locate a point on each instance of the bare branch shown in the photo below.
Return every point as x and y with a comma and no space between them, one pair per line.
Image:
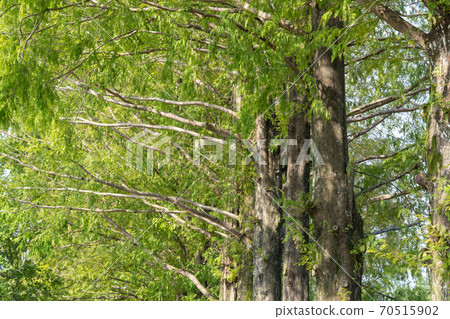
393,228
393,179
386,100
392,111
209,126
186,103
83,121
354,136
96,210
384,197
383,156
395,20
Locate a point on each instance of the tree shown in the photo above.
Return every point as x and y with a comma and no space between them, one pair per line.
109,83
436,46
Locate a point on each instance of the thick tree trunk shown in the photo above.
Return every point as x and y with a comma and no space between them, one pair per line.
267,231
296,218
438,157
336,222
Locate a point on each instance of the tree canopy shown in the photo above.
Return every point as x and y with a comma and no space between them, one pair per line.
156,150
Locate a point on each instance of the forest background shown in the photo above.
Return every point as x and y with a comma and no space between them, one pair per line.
112,111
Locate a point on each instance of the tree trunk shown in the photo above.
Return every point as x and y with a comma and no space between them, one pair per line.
237,275
337,224
438,156
245,276
267,231
296,219
228,289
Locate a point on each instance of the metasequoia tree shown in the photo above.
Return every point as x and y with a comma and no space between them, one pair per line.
338,225
196,25
435,42
87,78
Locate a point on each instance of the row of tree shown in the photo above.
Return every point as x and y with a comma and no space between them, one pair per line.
108,108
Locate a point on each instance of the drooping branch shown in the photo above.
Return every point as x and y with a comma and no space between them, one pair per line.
164,264
83,121
209,126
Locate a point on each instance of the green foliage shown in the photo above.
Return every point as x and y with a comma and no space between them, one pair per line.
73,78
23,278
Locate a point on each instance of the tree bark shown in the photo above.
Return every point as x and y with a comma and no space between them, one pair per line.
267,231
337,224
237,284
245,276
228,284
296,220
438,155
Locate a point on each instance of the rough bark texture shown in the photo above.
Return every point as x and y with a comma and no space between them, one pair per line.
337,224
228,285
267,231
296,219
245,276
244,285
438,155
237,286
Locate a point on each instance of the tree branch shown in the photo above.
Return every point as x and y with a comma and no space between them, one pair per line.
209,126
393,228
395,20
83,121
386,100
187,274
384,197
383,156
396,177
186,103
391,111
